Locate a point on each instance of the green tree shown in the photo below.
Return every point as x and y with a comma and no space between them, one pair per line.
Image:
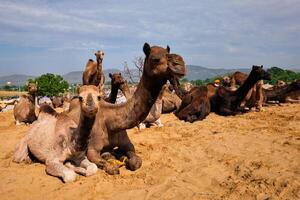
281,74
51,85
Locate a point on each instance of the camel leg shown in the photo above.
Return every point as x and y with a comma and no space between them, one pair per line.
91,168
158,123
133,162
78,170
94,156
141,126
56,168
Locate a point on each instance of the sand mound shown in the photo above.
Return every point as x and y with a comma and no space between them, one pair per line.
252,156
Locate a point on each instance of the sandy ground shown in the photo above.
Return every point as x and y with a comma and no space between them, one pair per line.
253,156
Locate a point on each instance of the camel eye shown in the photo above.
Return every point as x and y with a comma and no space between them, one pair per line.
80,98
99,98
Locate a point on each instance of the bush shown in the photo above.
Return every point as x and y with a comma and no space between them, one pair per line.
50,85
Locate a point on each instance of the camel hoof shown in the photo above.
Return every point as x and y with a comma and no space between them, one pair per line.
69,176
133,163
111,169
91,169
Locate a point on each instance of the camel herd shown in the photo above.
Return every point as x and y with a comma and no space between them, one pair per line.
91,132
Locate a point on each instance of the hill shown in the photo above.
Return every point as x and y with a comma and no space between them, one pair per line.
193,73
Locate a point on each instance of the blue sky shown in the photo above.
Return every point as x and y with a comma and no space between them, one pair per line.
59,36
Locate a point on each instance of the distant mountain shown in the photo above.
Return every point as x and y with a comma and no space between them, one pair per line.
193,73
15,79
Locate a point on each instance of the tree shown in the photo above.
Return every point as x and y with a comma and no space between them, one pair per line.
128,72
51,85
139,64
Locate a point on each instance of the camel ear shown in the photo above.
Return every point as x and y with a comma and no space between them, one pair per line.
110,75
120,73
147,49
261,66
168,48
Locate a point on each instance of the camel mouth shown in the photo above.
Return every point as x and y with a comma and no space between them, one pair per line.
178,70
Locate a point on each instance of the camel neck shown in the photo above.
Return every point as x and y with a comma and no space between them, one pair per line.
83,132
31,97
125,90
136,109
242,91
113,94
99,64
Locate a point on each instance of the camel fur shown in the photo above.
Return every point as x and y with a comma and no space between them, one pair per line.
24,111
93,73
55,139
109,131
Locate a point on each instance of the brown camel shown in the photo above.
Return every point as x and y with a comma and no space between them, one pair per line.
55,138
195,105
24,111
109,130
228,102
170,101
118,82
93,73
289,93
255,96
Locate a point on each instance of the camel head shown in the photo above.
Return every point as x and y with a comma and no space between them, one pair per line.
156,63
280,83
99,55
116,79
89,96
260,73
32,88
226,81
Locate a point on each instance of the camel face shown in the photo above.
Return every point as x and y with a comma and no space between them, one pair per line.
176,64
117,79
260,72
99,55
156,63
32,88
89,97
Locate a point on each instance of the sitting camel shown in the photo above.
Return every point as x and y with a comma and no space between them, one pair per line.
289,93
227,102
55,138
24,111
93,73
255,96
109,130
195,105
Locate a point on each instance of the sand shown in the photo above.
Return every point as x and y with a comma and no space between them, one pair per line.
251,156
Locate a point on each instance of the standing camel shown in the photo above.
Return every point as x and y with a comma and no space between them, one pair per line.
55,138
93,73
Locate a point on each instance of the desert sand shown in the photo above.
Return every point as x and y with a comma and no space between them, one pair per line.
250,156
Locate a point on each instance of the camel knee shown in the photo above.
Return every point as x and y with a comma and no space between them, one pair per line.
69,176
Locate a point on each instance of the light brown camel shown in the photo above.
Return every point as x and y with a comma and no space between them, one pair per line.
55,138
109,130
24,111
93,73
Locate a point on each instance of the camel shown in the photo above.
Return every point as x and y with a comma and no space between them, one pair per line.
255,96
112,120
227,102
24,111
118,82
195,105
93,73
57,101
289,93
170,101
55,138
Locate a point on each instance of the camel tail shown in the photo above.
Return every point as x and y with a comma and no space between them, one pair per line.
21,152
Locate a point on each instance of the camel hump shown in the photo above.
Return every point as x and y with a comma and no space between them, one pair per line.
45,108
